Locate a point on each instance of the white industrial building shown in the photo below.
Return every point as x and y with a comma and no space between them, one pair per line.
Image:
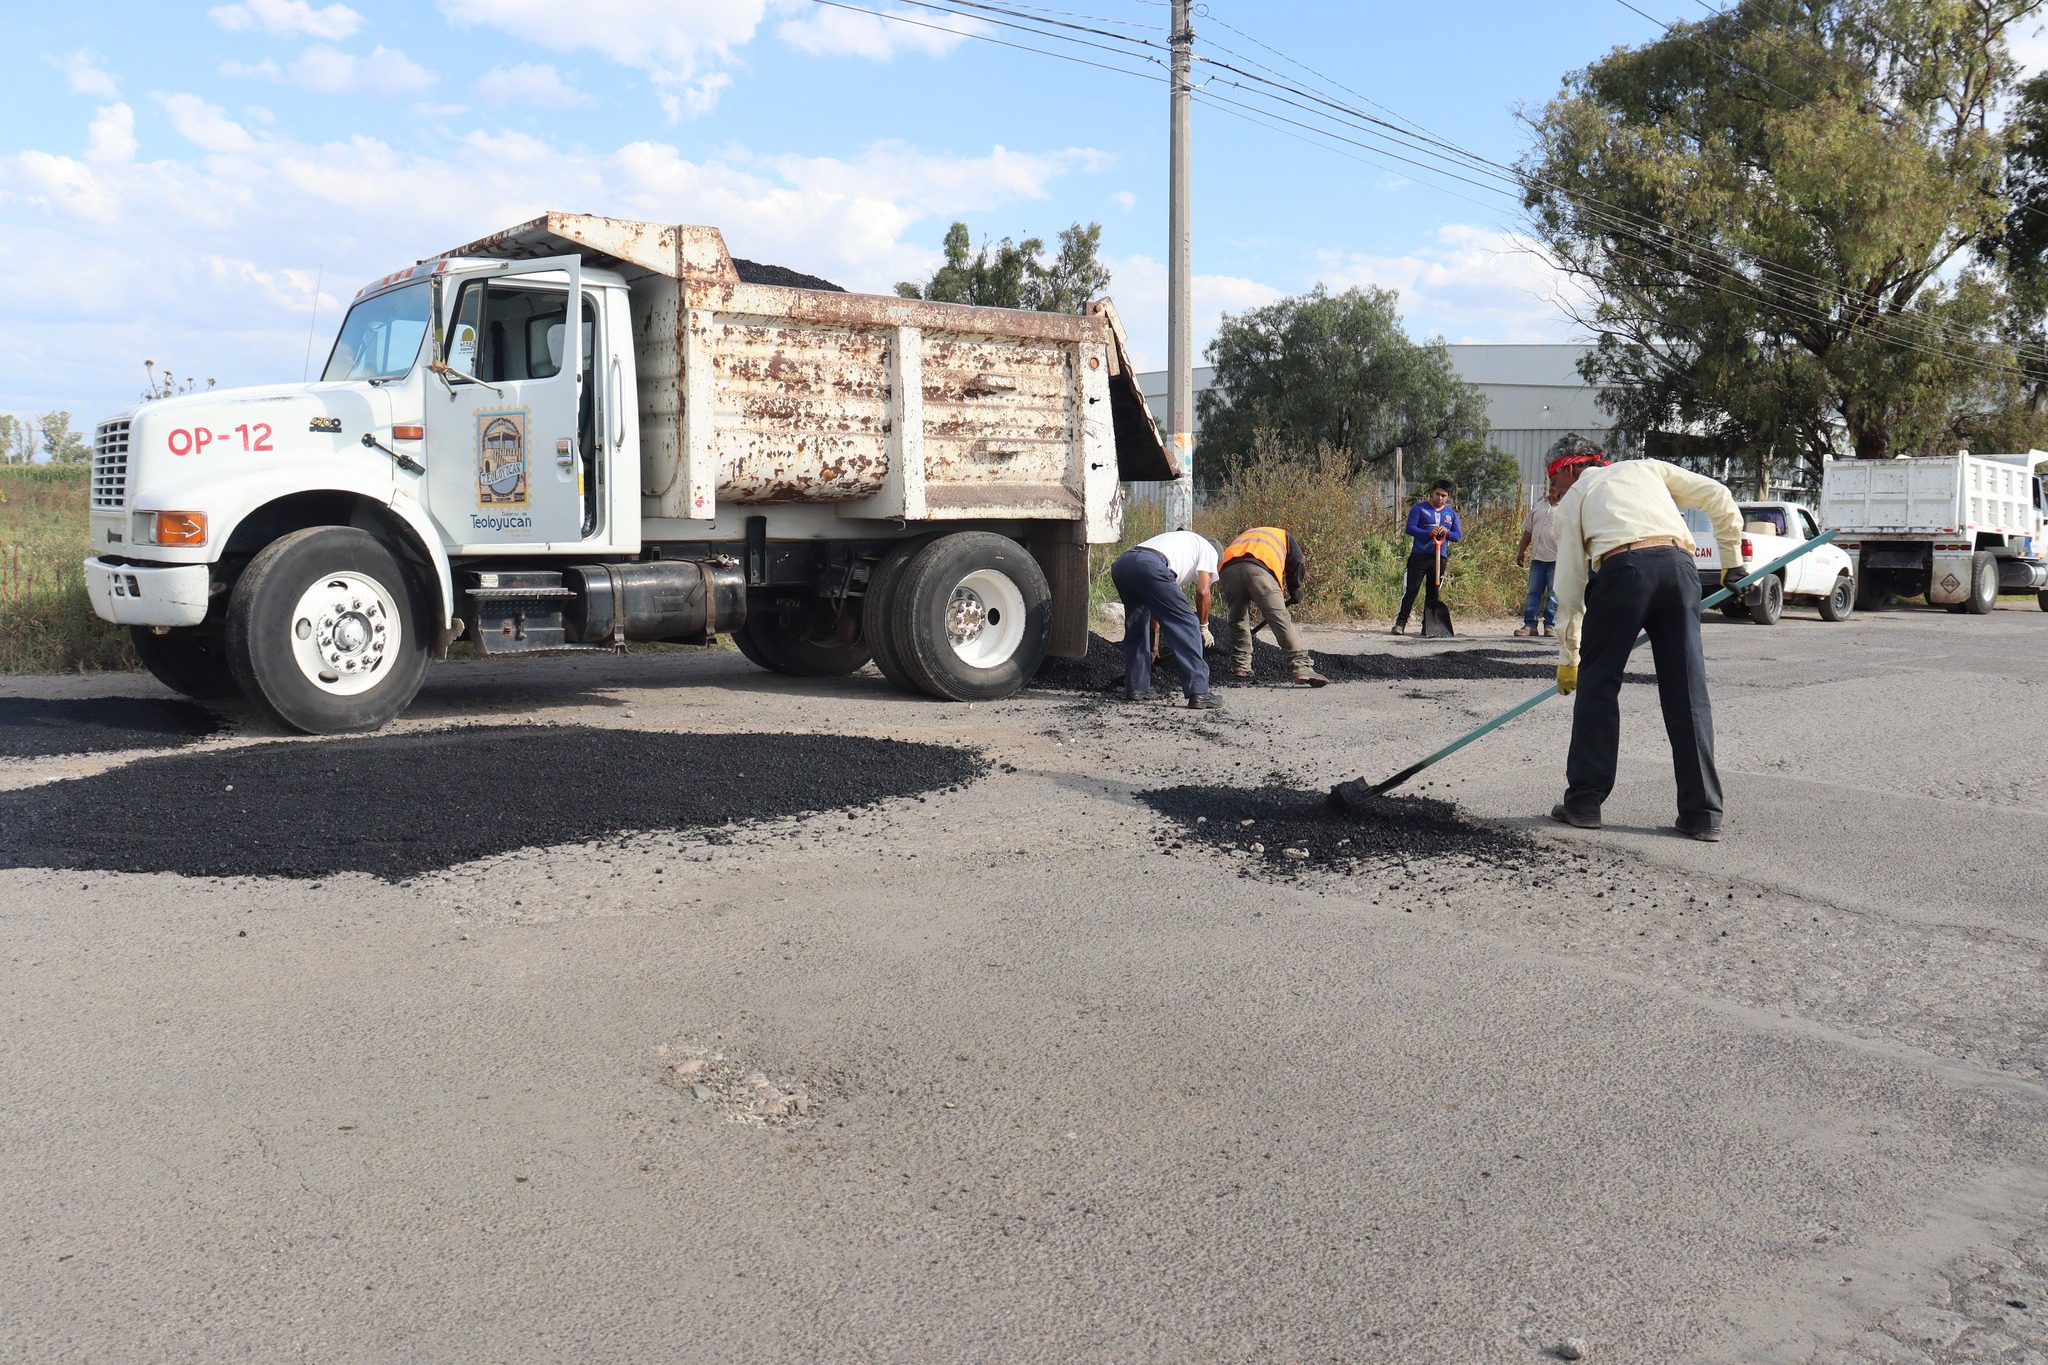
1533,396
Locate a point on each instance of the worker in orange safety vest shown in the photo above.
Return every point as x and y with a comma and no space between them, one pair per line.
1263,570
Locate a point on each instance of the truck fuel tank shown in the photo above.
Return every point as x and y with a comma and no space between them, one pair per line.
683,601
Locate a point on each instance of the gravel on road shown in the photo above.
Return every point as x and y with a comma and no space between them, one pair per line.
37,727
395,806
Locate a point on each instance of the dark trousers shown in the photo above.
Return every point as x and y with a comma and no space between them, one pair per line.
1658,591
1150,591
1422,569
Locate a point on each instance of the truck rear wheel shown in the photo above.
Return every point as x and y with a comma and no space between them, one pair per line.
1770,601
972,617
323,631
2042,598
878,612
1840,601
188,662
802,635
1983,584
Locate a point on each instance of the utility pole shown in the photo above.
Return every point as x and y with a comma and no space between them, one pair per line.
1180,371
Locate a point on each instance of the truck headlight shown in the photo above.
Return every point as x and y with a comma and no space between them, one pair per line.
170,528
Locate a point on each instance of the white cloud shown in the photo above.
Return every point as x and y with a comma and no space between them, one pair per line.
1138,284
678,44
860,33
64,187
263,70
530,85
386,71
1124,200
111,138
83,72
1468,284
205,124
286,18
933,183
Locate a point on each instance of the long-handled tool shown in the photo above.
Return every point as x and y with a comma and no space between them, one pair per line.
1436,617
1344,792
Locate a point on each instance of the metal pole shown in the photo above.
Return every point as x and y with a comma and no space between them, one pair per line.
1180,371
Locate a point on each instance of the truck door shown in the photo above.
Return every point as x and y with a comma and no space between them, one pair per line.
509,433
1815,572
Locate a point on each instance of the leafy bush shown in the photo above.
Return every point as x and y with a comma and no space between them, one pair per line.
47,623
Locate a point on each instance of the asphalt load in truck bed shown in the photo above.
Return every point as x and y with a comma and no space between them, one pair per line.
1281,831
1102,669
39,727
395,806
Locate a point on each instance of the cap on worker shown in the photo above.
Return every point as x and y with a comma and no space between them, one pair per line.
1573,449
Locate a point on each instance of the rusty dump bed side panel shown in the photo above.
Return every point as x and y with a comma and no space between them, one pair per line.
752,395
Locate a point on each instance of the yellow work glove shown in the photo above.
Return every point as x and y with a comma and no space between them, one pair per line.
1730,577
1567,679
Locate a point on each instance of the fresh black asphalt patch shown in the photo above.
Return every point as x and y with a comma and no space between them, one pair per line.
1102,669
395,806
38,727
1260,825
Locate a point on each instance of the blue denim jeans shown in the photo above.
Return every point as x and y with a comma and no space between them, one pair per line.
1542,573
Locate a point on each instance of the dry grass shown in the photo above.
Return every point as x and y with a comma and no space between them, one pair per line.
46,623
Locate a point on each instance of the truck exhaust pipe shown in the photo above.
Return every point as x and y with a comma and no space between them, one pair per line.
675,601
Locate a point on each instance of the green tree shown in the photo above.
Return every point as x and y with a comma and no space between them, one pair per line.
1336,370
1776,211
65,445
1484,475
17,439
1017,275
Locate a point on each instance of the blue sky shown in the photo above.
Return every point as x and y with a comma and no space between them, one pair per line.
205,185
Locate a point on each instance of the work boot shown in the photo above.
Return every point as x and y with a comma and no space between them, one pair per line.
1311,678
1526,631
1400,628
1706,834
1204,701
1576,821
1243,675
1549,629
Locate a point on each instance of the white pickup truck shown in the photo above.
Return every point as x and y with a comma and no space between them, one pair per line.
1825,575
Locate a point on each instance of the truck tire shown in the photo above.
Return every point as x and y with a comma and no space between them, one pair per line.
323,631
2042,598
1873,593
878,612
188,662
1983,584
1770,601
1840,601
973,617
801,635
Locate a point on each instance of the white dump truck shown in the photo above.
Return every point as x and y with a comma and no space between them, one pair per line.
1957,529
829,477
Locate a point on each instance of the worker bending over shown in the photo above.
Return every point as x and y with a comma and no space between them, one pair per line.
1623,521
1263,569
1151,578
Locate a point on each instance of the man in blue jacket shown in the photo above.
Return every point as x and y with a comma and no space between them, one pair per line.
1432,530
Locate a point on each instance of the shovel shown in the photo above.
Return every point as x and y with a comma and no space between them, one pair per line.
1436,617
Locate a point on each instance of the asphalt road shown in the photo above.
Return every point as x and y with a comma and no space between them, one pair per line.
1001,1074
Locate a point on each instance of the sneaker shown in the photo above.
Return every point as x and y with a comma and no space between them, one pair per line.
1311,679
1130,694
1549,630
1245,676
1565,817
1204,701
1527,631
1706,834
1400,628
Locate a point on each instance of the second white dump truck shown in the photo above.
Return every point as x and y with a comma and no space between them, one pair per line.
583,431
1957,529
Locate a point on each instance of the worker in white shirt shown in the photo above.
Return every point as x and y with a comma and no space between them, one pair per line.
1623,521
1152,579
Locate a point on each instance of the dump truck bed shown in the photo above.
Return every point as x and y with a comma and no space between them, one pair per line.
882,407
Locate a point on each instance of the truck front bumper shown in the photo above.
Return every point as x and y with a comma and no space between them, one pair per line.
148,594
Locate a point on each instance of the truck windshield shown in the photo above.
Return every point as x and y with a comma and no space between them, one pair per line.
380,338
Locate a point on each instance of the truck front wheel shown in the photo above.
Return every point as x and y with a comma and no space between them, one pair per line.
187,662
971,617
1840,601
323,630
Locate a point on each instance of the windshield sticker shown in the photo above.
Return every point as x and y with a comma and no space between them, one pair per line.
501,458
462,355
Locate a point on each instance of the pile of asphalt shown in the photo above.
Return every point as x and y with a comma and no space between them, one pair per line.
753,272
1102,669
395,806
1281,831
36,727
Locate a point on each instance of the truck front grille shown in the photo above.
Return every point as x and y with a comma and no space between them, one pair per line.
110,465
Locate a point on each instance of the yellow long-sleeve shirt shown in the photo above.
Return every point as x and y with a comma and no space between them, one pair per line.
1623,503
